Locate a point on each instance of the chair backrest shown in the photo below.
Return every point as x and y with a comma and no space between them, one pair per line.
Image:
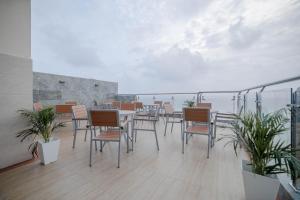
104,118
63,108
128,106
204,105
196,114
79,112
106,101
168,108
167,102
138,105
158,103
116,104
37,106
74,103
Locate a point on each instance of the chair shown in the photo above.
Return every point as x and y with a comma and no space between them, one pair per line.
196,121
71,102
138,106
161,111
116,104
127,106
226,119
79,114
170,113
112,132
204,105
37,106
152,116
160,103
64,110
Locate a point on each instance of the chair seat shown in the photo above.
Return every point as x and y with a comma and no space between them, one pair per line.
203,129
142,114
108,135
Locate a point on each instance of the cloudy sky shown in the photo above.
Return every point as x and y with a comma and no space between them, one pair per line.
168,45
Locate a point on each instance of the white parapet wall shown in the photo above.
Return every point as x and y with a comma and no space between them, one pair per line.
15,78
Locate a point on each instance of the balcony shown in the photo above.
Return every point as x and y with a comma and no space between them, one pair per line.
144,173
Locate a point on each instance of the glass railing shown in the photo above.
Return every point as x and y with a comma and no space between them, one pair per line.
265,99
177,100
274,100
221,102
262,99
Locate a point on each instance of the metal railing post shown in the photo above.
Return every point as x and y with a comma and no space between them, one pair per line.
238,102
200,97
258,103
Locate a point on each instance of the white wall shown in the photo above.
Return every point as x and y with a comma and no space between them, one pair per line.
15,78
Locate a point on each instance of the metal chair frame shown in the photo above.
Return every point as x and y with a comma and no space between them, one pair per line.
109,126
76,123
173,115
152,117
205,123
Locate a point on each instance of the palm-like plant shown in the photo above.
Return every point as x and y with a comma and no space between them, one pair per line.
189,103
41,125
257,133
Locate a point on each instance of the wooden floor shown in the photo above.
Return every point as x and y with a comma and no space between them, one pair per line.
143,174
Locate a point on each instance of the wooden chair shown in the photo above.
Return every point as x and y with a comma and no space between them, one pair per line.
64,111
80,121
71,102
204,105
160,103
171,116
127,106
37,106
152,117
116,104
161,111
112,132
196,121
138,106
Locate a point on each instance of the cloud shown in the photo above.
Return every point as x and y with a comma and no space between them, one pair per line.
168,45
175,65
70,48
242,36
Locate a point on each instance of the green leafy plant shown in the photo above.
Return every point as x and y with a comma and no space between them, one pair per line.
41,125
258,134
189,103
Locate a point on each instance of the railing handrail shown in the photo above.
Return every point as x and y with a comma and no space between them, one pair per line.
158,93
262,86
272,83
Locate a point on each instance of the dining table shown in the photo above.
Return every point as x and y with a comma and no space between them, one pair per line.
128,115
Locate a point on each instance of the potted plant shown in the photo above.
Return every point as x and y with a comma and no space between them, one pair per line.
259,134
189,103
41,128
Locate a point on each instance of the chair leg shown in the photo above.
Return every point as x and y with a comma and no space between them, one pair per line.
215,130
166,127
101,146
74,138
182,138
119,153
208,145
172,126
127,142
95,140
91,146
154,125
132,133
186,138
85,135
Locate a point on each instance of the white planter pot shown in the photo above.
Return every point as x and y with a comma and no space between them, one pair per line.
48,152
259,187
